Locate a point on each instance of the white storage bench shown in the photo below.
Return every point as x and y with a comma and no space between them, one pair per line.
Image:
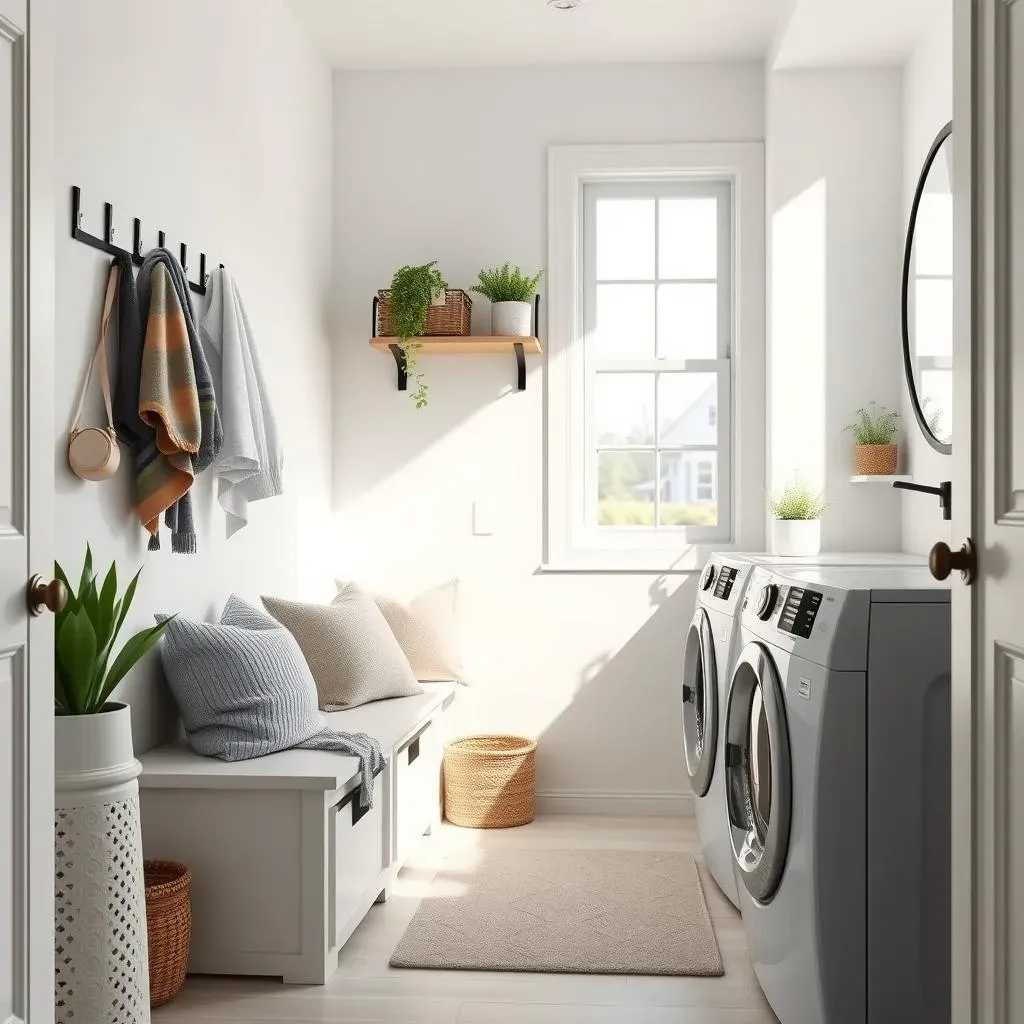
285,864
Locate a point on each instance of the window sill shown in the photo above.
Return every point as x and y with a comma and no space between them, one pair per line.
680,562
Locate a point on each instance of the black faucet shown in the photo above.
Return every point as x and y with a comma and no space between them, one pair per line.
944,492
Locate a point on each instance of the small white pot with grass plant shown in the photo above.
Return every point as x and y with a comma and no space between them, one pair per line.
874,432
511,295
796,520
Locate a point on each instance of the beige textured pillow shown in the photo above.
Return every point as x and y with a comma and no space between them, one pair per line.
424,628
349,648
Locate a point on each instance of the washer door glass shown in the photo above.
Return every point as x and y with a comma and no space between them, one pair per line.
700,703
759,785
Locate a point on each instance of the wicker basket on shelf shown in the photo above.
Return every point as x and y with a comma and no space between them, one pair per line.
489,781
169,927
450,320
876,459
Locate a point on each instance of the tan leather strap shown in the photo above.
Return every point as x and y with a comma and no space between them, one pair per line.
101,354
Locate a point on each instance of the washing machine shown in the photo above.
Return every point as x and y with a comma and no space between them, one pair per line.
837,780
709,653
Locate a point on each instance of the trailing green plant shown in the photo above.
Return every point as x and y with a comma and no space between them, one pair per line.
409,299
875,425
797,501
86,629
507,284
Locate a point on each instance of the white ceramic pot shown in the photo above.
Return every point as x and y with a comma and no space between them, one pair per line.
512,319
102,962
795,538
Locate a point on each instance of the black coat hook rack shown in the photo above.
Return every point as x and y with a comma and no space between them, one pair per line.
136,255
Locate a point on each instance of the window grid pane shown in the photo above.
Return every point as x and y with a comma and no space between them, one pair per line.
654,459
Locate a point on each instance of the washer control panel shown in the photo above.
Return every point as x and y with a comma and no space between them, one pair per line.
725,582
799,611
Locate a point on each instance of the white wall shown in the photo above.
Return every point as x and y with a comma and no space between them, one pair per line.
451,165
212,124
927,106
834,209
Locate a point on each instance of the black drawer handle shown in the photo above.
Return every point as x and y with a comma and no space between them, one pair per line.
358,813
414,750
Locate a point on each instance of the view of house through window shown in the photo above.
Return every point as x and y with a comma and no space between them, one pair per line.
658,298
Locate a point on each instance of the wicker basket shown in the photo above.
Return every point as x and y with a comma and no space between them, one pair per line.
489,781
450,320
876,459
169,926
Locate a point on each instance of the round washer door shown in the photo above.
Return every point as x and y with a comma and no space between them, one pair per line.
700,703
758,773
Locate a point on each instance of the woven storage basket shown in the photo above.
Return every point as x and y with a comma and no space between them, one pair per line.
489,781
169,926
450,320
876,459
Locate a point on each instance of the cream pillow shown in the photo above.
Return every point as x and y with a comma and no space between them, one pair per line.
351,652
425,629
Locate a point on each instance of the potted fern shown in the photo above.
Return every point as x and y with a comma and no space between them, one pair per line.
511,294
796,520
874,431
413,291
99,885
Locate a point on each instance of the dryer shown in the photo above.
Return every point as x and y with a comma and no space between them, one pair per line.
709,654
837,777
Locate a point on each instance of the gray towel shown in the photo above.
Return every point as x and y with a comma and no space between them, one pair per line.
244,690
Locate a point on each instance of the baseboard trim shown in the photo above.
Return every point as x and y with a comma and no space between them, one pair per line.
620,805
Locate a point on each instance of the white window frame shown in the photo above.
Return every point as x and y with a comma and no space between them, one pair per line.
571,542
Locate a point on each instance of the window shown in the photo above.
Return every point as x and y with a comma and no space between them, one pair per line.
657,296
644,326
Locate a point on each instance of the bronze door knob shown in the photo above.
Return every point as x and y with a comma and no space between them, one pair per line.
43,596
942,561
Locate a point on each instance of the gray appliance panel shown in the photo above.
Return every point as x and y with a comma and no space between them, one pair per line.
909,816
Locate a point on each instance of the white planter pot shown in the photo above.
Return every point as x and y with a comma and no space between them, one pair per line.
795,538
511,319
102,956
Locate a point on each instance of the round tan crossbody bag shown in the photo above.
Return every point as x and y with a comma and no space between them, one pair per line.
92,451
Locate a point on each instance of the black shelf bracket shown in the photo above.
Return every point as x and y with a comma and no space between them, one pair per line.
403,376
135,254
520,365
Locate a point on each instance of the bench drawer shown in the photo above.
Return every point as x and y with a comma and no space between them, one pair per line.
359,854
417,788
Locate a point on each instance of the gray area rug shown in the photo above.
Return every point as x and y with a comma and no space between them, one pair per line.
566,911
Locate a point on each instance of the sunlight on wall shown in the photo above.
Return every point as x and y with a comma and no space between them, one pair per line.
799,301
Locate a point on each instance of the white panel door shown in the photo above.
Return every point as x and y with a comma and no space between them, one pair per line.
26,497
988,451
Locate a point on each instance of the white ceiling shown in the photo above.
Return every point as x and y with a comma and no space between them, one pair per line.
830,33
474,33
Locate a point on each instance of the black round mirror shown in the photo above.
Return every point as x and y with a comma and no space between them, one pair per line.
928,296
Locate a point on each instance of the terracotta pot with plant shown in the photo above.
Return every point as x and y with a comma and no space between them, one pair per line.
874,432
511,294
796,520
102,965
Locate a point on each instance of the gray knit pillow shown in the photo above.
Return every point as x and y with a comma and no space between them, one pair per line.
350,649
244,690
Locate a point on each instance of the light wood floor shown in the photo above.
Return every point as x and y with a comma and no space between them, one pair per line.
366,990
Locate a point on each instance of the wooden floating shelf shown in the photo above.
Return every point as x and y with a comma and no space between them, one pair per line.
874,478
467,345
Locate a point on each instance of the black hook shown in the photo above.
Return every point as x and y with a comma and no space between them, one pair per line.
184,257
108,223
161,239
203,275
137,240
